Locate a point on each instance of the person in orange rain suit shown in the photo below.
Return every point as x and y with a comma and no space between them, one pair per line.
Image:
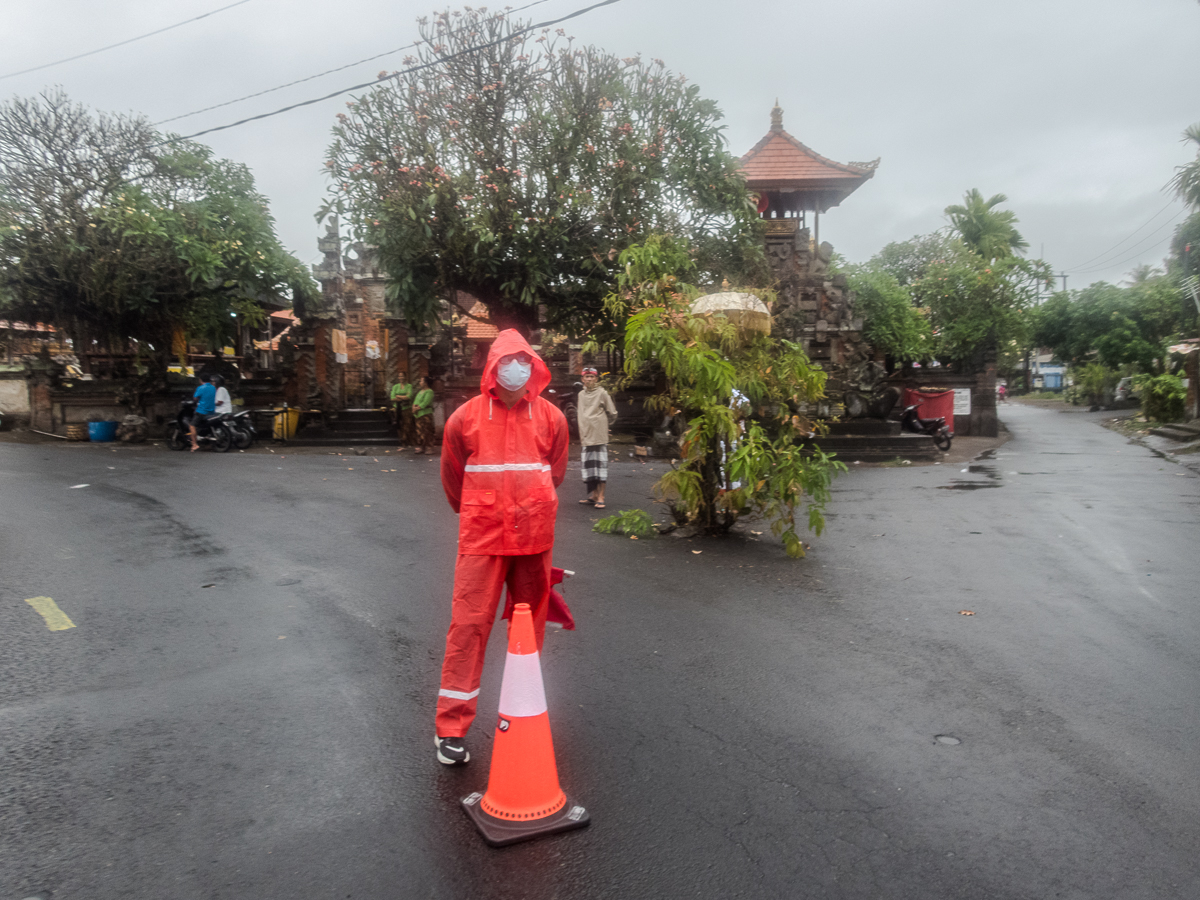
503,454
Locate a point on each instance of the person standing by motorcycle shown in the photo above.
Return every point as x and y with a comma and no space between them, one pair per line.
206,405
224,403
504,453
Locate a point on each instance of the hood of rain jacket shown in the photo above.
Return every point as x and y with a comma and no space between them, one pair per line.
500,466
508,342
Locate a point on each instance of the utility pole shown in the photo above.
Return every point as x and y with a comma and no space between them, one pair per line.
1064,278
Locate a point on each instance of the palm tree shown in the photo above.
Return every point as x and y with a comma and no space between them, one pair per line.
984,229
1187,178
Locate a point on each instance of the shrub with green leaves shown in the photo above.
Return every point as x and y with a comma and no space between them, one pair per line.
1162,397
633,522
739,400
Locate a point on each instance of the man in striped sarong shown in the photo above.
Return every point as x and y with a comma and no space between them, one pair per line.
595,412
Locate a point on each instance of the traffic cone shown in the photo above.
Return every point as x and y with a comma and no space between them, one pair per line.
523,798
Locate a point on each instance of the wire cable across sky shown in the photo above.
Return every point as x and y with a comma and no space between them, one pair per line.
367,84
1137,250
1111,251
314,77
124,42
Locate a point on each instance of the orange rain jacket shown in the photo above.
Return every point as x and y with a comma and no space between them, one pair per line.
500,466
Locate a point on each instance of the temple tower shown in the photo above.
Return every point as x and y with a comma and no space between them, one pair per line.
795,185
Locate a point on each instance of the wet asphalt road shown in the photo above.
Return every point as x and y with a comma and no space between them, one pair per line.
245,706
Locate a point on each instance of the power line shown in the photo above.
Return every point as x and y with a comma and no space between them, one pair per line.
1136,253
124,42
417,68
1123,240
313,77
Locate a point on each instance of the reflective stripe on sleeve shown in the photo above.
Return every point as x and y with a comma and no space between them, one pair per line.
459,695
510,467
521,692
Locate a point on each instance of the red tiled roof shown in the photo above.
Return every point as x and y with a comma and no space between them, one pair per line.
480,331
779,160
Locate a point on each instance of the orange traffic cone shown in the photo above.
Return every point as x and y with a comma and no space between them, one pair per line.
523,798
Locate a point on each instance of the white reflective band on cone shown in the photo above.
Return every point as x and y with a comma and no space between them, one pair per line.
521,693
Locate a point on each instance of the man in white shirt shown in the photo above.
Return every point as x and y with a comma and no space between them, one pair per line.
224,401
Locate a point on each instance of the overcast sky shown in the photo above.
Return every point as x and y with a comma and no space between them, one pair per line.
1073,108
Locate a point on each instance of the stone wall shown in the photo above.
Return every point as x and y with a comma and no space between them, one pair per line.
815,308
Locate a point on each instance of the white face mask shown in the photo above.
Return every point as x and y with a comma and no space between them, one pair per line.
513,374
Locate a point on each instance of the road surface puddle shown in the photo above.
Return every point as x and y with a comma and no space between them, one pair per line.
975,467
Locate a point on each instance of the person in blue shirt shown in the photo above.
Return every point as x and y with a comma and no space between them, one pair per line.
206,404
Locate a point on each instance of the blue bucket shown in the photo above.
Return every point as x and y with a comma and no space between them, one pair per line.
102,431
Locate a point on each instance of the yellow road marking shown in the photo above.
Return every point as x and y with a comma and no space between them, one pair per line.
56,619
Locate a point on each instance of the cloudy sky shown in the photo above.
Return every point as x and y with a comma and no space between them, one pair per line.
1073,108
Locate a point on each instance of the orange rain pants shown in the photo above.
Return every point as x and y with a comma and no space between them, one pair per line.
477,584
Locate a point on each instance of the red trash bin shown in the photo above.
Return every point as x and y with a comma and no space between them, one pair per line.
932,405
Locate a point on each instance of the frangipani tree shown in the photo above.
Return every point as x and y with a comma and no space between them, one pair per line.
517,166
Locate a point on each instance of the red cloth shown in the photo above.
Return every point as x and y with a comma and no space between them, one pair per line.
559,612
478,581
500,466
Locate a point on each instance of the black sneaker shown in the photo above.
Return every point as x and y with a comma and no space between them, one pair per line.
451,751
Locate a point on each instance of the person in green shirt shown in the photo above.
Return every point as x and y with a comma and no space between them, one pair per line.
401,397
423,415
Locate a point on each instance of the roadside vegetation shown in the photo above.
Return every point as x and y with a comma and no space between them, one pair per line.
112,234
737,399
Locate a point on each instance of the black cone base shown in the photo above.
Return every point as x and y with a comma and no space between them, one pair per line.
502,832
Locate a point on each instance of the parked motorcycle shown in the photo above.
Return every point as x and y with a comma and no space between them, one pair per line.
212,431
241,425
935,428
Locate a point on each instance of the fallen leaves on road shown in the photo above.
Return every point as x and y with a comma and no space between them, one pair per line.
697,552
965,612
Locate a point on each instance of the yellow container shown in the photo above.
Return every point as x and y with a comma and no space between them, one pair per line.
286,421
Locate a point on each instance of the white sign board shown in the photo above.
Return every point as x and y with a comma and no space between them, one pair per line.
962,401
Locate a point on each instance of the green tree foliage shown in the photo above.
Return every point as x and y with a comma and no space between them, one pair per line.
985,230
891,323
110,234
974,303
1184,260
742,397
1163,396
1116,326
1186,182
908,261
1095,381
519,172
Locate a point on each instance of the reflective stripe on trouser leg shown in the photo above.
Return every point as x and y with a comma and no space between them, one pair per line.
477,585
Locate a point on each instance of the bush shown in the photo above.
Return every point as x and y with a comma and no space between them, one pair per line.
1162,397
633,522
